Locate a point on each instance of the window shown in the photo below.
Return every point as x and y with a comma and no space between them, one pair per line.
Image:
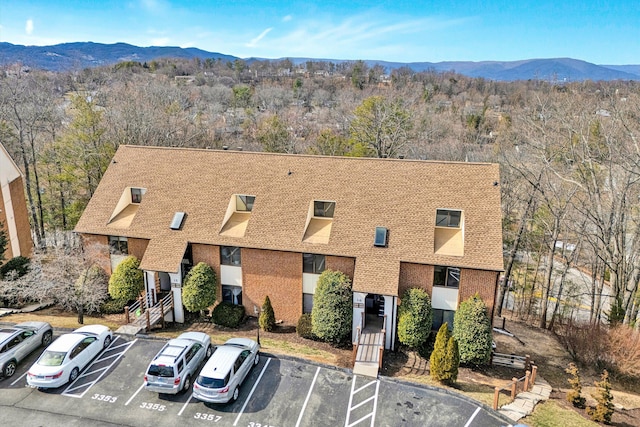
230,255
323,209
232,294
244,203
448,218
442,316
118,245
192,352
307,303
446,276
313,263
136,195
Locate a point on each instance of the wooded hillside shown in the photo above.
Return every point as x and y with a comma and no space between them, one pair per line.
569,152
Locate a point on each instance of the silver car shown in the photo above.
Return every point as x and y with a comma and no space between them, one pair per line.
171,371
225,371
19,341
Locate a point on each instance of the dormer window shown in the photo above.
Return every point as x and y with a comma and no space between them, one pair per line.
136,195
449,232
323,209
244,203
448,218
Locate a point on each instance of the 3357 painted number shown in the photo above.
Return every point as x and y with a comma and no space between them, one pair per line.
207,417
105,398
153,406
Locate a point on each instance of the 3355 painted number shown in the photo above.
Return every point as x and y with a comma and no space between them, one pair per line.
207,417
105,398
153,406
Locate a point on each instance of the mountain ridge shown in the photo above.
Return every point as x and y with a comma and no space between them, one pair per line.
67,56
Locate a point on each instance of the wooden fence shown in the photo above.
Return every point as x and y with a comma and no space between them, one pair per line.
515,386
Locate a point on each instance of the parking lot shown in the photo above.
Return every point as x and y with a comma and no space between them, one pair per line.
278,392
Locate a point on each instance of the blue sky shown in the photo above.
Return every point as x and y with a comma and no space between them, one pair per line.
602,32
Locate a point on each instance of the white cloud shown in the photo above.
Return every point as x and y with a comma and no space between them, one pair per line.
287,18
28,28
255,41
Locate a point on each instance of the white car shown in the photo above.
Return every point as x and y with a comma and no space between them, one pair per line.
19,341
63,360
225,371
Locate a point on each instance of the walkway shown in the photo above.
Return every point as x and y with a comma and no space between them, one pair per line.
368,354
26,309
526,401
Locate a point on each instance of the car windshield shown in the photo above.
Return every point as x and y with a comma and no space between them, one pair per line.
52,358
210,382
160,371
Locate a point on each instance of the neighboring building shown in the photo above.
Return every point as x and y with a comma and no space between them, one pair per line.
13,208
269,224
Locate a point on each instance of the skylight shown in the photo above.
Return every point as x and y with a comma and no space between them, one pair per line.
178,220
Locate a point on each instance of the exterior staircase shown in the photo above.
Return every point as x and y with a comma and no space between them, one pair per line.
141,318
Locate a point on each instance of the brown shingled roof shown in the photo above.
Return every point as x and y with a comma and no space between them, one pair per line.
402,195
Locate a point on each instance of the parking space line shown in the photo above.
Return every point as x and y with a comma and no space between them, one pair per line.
185,404
373,398
134,395
19,378
251,392
88,372
304,406
472,417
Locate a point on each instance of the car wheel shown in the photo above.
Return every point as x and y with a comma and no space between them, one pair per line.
74,374
107,341
209,351
46,338
9,369
187,383
257,359
235,394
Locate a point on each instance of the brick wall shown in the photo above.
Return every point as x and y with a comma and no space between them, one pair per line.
210,255
343,264
480,281
273,273
97,247
415,276
471,281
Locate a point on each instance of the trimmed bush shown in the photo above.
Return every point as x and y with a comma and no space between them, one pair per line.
575,394
267,319
444,361
415,318
332,313
199,290
127,281
304,326
113,306
227,314
14,268
603,410
472,329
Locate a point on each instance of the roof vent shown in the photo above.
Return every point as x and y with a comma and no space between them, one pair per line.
178,220
381,237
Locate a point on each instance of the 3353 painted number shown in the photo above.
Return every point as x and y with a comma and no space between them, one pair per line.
207,417
153,406
105,398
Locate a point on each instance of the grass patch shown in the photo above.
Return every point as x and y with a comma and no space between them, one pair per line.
551,414
61,320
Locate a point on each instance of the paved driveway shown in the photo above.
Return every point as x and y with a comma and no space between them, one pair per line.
279,392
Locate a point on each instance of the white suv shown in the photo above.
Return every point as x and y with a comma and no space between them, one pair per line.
173,367
225,371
